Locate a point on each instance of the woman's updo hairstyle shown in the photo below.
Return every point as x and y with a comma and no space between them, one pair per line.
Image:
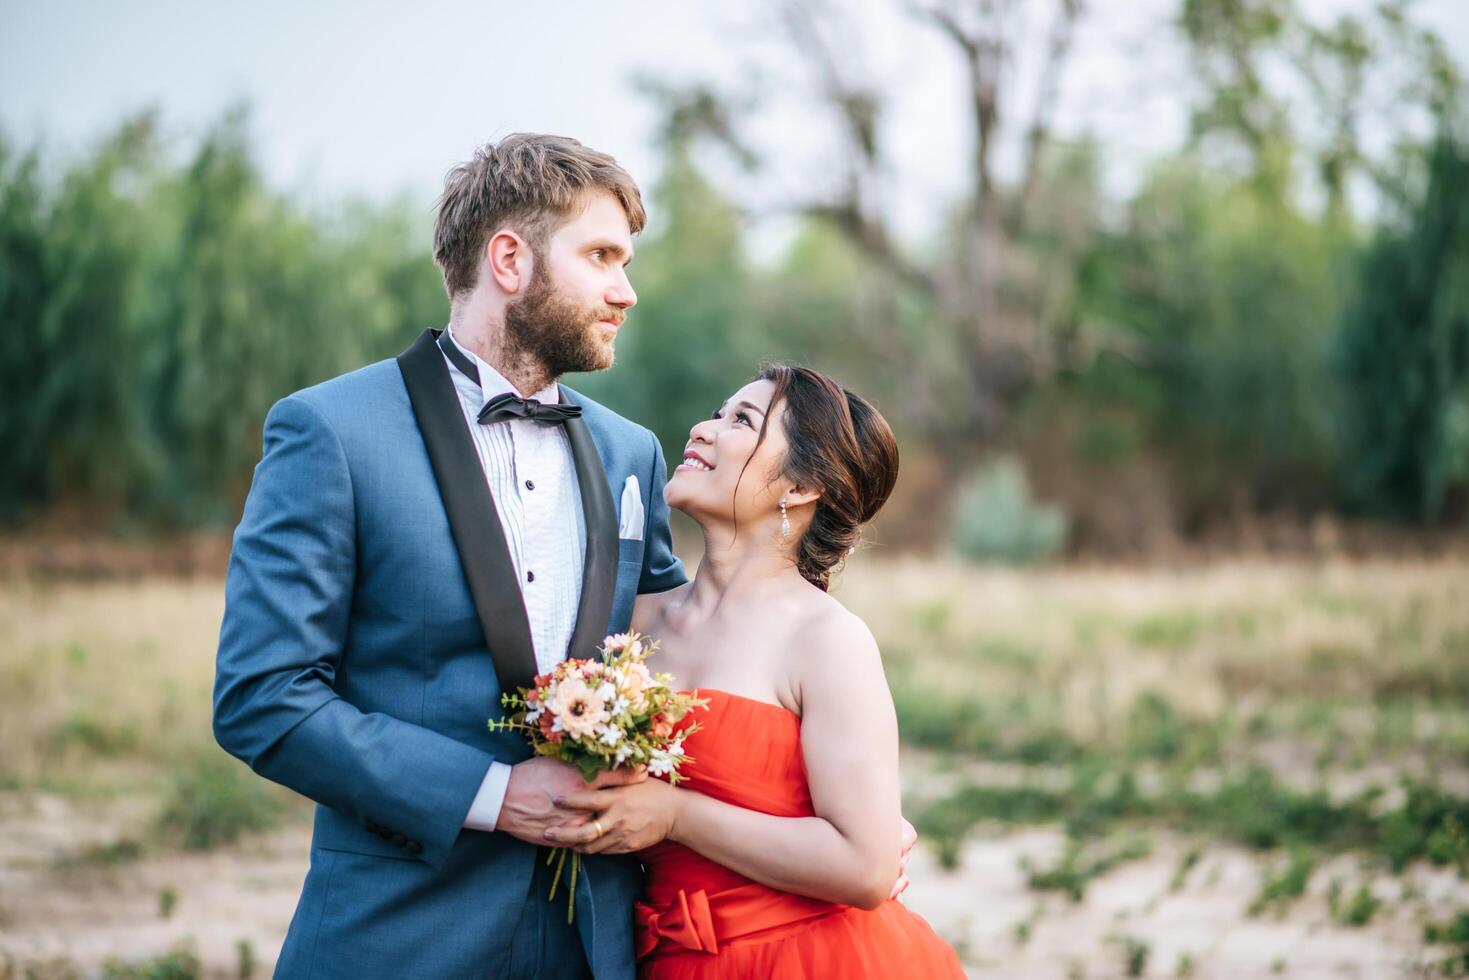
841,446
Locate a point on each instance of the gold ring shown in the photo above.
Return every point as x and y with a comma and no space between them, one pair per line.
598,825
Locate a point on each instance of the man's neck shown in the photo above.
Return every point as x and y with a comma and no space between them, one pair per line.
485,338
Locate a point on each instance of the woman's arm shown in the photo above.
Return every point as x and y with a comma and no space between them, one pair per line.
849,740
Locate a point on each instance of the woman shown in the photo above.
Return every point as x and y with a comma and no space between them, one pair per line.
778,859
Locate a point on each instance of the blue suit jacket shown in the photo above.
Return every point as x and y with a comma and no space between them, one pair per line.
369,604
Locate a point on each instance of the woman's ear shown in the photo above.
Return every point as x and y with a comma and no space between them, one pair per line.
798,495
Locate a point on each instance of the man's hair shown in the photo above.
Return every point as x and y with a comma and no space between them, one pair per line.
530,182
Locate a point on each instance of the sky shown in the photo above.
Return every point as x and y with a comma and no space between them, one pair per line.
376,98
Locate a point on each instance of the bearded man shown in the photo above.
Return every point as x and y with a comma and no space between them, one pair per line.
379,599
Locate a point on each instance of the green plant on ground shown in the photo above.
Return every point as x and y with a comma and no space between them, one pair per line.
1355,911
1283,884
1079,865
179,963
1453,933
1186,864
244,959
211,799
1135,952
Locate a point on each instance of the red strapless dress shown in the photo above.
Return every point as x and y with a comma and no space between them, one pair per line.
700,919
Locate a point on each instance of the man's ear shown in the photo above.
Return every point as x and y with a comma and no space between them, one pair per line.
508,260
798,495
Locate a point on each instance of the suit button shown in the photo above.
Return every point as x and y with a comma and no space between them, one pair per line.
399,840
530,576
530,485
414,847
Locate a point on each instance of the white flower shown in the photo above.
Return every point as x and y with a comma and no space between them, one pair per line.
534,715
611,736
660,764
615,642
606,691
675,749
624,751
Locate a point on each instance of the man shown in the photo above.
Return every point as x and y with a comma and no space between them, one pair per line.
379,599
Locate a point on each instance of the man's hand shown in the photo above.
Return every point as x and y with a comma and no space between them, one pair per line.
907,837
618,820
528,810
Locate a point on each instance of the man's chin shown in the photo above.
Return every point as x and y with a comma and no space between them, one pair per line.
603,358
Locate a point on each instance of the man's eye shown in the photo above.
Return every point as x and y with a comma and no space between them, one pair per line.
597,253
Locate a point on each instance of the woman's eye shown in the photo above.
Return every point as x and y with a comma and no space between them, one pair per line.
742,417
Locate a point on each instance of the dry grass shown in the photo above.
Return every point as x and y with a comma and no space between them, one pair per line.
100,684
1337,647
1054,697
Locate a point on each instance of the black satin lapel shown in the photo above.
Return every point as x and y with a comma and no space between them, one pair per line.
599,574
473,520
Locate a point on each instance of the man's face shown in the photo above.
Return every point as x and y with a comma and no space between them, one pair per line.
579,293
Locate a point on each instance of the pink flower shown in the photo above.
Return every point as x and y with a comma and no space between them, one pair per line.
577,708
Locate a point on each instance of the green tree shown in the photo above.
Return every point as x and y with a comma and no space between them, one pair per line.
1404,354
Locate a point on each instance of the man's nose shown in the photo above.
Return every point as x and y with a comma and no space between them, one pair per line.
622,295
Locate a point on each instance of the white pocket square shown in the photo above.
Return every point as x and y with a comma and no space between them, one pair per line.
631,525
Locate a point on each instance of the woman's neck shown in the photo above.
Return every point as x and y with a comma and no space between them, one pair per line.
738,569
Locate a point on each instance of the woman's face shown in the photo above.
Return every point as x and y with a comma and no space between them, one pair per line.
708,483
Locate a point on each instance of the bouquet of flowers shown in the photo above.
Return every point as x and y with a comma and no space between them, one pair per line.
600,715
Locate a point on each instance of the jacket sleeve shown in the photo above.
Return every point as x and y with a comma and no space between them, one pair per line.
661,568
288,595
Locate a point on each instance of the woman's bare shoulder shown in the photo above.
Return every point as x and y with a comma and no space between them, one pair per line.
830,639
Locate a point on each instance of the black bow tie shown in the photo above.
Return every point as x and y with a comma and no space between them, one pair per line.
508,406
503,408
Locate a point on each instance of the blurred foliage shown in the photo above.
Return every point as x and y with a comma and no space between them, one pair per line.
689,345
180,963
1404,354
1220,301
1251,344
996,519
211,800
154,312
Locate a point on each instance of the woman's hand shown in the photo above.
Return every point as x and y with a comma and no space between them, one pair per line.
618,820
907,837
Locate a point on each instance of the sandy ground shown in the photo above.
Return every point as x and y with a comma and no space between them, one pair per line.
53,907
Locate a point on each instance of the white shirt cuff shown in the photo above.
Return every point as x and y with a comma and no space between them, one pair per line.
484,812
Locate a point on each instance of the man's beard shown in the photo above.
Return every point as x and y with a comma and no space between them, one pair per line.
554,332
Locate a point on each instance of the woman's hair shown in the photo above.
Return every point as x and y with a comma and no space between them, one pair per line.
839,445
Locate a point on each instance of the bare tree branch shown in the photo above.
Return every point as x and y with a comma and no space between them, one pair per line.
874,241
1063,31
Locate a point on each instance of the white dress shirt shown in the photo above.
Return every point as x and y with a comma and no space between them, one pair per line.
531,473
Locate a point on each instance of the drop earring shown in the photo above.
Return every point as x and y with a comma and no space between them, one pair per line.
785,521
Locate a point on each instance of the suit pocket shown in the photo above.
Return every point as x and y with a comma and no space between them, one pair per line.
629,550
625,593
